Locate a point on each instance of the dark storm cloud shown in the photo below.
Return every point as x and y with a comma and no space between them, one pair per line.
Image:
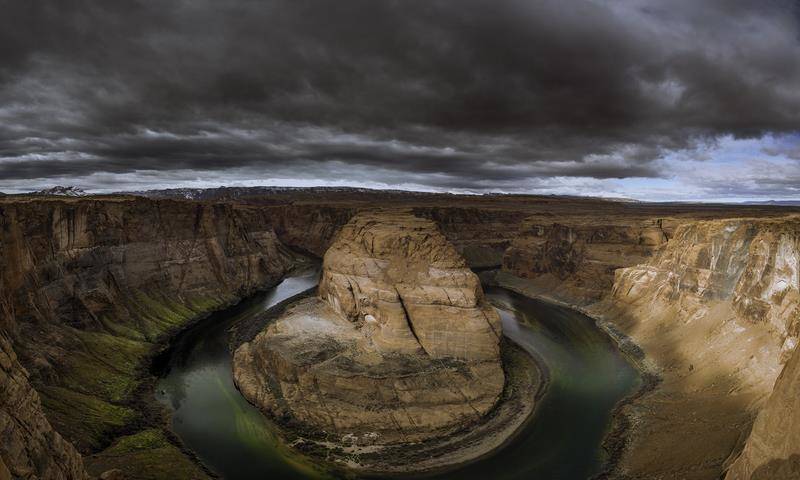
452,93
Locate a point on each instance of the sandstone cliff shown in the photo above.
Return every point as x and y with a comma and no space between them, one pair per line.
88,287
773,447
481,235
744,273
716,309
30,447
574,259
400,346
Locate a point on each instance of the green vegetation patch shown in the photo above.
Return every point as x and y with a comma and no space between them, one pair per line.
158,315
98,380
106,366
85,420
147,455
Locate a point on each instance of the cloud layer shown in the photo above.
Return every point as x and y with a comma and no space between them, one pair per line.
467,94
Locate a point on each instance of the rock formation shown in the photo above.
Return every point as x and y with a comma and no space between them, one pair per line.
742,272
89,286
772,451
29,447
399,346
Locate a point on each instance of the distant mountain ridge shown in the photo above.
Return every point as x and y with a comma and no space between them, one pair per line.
63,191
237,192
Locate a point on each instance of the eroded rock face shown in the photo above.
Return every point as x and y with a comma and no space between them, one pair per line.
399,346
89,286
575,259
397,277
749,267
772,451
717,308
29,446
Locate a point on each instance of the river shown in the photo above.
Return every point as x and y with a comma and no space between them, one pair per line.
587,377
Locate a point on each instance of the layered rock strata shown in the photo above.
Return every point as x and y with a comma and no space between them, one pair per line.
716,309
29,446
772,451
89,287
575,259
400,345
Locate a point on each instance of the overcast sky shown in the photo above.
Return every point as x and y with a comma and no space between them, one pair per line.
649,99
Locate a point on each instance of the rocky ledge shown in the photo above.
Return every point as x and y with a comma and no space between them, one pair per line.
400,346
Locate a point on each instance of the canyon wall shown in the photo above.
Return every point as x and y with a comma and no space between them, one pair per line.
716,309
574,258
480,235
309,228
714,304
30,446
89,287
772,451
745,268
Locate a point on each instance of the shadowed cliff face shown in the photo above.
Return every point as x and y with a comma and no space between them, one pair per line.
88,288
773,447
30,446
480,235
575,259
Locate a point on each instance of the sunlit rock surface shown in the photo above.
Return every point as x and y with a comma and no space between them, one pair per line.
399,346
716,310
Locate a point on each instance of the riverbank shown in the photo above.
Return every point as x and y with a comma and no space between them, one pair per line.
467,454
147,447
617,438
692,413
525,384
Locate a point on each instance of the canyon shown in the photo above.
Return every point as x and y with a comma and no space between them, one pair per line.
703,298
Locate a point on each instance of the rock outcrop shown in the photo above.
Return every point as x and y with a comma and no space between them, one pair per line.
404,283
29,447
400,345
772,451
